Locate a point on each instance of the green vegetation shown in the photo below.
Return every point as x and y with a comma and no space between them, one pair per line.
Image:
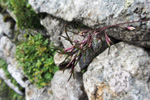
6,93
36,58
25,16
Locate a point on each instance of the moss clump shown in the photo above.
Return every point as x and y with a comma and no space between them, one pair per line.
36,58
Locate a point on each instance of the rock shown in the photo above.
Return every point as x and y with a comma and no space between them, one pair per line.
7,52
33,93
93,12
12,15
54,28
8,82
89,11
60,61
63,89
5,27
102,13
17,73
7,49
122,75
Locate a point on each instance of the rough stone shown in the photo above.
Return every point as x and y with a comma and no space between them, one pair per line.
94,12
122,75
54,28
5,27
33,93
8,82
63,89
90,11
101,13
17,73
60,61
7,52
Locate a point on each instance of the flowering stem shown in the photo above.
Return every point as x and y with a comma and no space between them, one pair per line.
78,48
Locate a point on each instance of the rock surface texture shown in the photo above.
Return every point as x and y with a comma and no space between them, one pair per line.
122,75
63,89
7,52
33,93
8,82
101,13
54,28
59,89
5,27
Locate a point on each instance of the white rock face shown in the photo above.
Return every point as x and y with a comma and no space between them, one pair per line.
102,13
8,82
69,10
63,89
33,93
5,27
7,49
54,28
7,52
122,75
17,73
88,11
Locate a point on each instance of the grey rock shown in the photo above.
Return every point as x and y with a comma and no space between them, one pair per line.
33,93
7,49
67,90
122,75
17,73
90,10
5,27
12,15
101,13
59,59
54,28
8,82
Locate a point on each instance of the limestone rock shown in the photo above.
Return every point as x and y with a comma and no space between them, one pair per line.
33,93
90,11
67,90
60,61
7,49
7,52
17,73
5,27
100,13
8,82
122,75
54,28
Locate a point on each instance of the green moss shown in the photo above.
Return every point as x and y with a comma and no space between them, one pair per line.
36,58
25,16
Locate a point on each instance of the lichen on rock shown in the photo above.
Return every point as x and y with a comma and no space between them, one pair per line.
125,72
